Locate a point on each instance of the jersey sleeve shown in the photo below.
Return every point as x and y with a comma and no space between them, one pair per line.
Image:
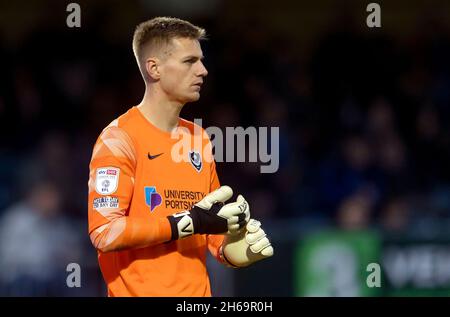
111,183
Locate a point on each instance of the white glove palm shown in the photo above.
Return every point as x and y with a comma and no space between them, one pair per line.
247,246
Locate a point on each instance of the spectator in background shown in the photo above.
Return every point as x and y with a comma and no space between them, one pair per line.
355,212
380,119
36,244
431,150
392,167
341,176
395,214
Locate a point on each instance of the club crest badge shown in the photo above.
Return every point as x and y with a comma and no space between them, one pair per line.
196,160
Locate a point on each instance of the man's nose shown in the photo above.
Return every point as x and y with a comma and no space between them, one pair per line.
202,71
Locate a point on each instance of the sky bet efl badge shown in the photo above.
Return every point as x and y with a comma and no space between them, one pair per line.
106,180
196,160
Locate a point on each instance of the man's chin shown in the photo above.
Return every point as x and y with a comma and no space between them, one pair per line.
193,97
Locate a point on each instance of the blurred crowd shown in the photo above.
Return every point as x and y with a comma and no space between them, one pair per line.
363,117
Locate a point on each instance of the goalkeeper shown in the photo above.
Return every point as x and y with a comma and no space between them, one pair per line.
152,218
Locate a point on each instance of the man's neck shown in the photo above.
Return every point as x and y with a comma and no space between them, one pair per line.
162,113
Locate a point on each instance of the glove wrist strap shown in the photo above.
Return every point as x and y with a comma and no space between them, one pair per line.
197,220
181,224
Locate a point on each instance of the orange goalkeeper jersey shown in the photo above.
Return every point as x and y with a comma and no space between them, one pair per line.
138,176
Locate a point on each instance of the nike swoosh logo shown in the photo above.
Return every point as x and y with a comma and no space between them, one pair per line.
151,157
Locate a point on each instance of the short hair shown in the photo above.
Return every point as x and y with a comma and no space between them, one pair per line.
158,32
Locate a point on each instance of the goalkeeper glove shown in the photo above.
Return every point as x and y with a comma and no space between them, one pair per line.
211,216
247,246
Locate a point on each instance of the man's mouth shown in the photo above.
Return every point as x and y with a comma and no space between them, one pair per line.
198,85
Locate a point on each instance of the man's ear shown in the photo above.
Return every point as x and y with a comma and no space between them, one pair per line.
151,67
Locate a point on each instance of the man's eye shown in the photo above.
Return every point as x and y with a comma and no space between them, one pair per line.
190,61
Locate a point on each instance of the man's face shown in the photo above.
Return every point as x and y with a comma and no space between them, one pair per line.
182,71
